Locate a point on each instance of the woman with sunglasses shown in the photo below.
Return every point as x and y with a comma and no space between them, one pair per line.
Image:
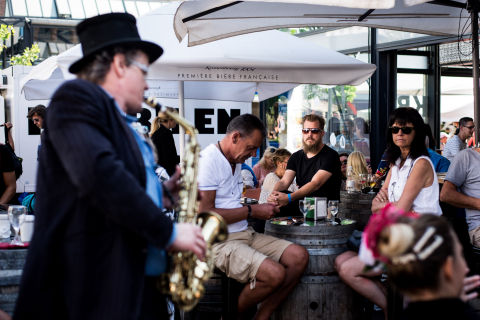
411,185
265,165
411,182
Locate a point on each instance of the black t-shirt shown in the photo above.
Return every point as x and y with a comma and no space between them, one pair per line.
305,168
6,165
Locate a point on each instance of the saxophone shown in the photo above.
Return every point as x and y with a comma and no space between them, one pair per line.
185,280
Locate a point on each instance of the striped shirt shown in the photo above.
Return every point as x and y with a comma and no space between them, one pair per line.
452,147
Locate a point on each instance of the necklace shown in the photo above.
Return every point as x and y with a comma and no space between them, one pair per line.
220,148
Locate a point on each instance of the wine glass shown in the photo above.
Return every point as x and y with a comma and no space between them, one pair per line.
304,209
333,209
16,215
363,182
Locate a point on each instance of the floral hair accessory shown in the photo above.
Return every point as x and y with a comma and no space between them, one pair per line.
387,216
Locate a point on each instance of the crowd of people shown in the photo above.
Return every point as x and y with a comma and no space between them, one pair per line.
101,235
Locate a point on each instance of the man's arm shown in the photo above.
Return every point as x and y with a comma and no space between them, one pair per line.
9,126
317,181
260,211
450,195
11,186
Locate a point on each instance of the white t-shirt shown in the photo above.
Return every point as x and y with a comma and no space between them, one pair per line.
215,173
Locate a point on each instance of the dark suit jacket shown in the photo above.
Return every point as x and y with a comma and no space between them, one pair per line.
93,218
166,150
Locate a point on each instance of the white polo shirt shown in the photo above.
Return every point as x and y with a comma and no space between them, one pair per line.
215,173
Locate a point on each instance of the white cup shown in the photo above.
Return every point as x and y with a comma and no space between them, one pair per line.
26,229
4,227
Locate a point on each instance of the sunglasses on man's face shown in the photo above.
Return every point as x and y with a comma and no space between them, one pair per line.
405,130
470,127
312,130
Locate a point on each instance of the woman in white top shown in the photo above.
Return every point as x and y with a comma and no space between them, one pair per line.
280,158
411,185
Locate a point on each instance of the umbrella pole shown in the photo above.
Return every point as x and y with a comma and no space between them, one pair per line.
181,112
476,85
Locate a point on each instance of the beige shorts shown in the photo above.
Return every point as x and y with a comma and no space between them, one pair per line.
242,254
475,236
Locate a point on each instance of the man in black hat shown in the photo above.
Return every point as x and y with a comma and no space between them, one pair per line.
99,231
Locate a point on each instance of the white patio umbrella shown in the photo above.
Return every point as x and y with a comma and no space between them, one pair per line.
270,62
232,69
210,20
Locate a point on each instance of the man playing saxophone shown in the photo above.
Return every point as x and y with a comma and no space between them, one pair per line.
271,266
100,234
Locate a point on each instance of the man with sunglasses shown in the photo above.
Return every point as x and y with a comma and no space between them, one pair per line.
316,167
457,142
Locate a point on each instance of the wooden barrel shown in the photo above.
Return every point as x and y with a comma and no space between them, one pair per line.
210,306
320,294
356,206
11,265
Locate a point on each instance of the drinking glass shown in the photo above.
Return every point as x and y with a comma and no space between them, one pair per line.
16,215
333,209
304,209
364,183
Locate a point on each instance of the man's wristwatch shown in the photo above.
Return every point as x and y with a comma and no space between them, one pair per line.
249,207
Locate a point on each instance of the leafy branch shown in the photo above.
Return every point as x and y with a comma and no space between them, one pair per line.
28,56
5,32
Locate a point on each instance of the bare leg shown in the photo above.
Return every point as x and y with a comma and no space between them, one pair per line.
270,276
294,260
351,272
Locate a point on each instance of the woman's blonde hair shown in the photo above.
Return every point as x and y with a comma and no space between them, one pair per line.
356,160
162,117
269,153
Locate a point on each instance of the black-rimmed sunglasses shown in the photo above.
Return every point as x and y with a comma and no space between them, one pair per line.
312,130
405,130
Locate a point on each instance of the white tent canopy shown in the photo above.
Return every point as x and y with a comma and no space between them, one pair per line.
233,69
249,16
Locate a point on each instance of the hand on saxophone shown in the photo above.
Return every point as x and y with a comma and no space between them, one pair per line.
189,238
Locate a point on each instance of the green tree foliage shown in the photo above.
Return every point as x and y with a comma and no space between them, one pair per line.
28,56
311,91
5,32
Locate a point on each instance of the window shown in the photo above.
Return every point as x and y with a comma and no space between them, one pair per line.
344,108
19,8
90,7
63,7
77,9
103,6
131,7
48,9
34,8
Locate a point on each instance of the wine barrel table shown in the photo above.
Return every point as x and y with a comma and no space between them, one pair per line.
321,294
11,266
356,206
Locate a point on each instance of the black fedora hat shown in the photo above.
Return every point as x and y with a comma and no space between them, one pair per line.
108,30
